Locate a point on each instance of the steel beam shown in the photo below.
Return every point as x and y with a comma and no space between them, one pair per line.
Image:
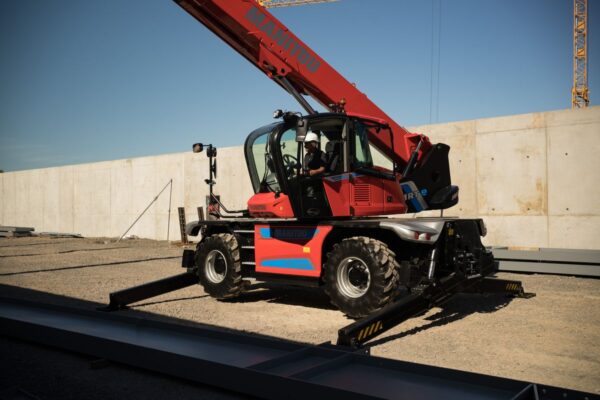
122,298
549,261
258,366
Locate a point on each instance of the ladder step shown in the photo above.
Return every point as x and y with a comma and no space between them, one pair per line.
247,247
242,231
248,263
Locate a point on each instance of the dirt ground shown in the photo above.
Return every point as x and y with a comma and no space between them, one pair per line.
552,339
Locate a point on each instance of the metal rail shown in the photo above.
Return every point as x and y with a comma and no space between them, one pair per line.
549,261
122,298
257,366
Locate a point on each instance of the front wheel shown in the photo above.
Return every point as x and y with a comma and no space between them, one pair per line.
361,275
219,267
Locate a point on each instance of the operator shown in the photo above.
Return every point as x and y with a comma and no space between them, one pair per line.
315,161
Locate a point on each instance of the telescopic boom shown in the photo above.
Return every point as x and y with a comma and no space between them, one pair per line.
263,40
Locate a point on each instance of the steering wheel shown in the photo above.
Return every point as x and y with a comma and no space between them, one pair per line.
289,164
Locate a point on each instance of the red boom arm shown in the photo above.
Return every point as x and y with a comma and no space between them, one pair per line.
264,41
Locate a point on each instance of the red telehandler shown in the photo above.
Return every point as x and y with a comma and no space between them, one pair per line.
330,230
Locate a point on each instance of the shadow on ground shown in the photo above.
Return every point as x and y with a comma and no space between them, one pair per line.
33,244
460,306
280,294
63,252
88,266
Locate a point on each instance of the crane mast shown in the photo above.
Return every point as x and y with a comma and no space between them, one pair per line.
580,93
263,40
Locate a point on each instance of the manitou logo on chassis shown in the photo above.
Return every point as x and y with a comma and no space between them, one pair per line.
283,39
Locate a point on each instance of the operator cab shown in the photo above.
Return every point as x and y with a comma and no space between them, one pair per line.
352,184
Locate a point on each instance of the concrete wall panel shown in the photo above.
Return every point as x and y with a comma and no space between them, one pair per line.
573,117
169,167
574,232
233,182
92,199
22,180
144,191
66,196
574,169
34,214
511,123
464,161
2,198
51,197
121,196
511,172
7,201
442,132
517,230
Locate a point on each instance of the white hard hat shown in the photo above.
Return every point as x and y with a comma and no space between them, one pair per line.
311,137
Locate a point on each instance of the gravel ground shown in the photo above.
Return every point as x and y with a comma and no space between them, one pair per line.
551,339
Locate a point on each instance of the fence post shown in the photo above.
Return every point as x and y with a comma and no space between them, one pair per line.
184,238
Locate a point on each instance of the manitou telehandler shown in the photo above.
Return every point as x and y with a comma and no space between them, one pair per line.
330,230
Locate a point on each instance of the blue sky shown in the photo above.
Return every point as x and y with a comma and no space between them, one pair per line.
85,81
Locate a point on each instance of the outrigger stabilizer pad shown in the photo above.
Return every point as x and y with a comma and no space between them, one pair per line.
371,326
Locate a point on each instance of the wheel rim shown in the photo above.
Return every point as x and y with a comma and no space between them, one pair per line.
215,266
354,277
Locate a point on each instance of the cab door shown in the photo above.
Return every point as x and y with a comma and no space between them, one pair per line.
307,194
368,183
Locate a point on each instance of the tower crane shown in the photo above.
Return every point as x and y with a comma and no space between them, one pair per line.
580,93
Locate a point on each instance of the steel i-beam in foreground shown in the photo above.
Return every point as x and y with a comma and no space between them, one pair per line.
257,366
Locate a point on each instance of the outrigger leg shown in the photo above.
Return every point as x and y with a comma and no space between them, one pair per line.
119,300
371,326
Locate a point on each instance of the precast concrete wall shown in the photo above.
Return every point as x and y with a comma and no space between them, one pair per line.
532,177
103,199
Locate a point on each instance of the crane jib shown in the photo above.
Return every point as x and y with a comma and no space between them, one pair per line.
283,39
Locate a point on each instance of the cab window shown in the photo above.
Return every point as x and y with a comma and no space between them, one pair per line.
362,153
290,153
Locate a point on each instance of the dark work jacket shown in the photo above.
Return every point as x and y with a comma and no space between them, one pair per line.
315,160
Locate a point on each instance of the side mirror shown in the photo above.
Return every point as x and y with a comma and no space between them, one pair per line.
301,130
197,147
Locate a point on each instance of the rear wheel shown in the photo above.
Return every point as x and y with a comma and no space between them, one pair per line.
219,266
361,275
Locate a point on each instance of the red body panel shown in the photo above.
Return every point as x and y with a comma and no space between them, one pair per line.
290,250
361,195
266,205
337,190
264,41
366,195
394,202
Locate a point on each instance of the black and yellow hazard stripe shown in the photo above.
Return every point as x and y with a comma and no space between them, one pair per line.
513,287
370,330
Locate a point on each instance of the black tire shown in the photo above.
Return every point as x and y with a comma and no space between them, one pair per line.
219,267
361,275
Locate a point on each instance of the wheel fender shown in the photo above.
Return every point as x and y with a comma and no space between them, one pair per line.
193,228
